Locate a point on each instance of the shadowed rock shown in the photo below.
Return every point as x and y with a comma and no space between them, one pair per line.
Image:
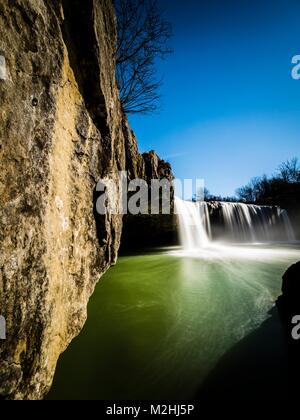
289,303
264,365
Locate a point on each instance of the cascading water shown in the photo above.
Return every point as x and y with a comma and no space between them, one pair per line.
194,225
251,223
288,226
236,222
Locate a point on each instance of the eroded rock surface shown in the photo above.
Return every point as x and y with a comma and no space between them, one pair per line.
61,130
152,230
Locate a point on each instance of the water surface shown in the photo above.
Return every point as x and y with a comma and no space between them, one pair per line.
158,323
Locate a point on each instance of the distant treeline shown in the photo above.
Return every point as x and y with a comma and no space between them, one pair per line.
266,190
281,187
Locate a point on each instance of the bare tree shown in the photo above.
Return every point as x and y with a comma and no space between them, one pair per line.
264,189
248,193
142,38
290,170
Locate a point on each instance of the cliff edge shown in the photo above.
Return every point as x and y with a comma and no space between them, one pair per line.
61,130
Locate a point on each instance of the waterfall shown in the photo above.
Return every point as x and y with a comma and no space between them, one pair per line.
251,223
288,226
201,222
194,224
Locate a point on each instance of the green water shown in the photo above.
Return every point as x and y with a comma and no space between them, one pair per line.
159,323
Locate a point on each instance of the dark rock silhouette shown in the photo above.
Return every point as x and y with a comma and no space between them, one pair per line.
289,303
263,366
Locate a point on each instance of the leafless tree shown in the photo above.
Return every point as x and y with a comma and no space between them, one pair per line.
290,170
143,34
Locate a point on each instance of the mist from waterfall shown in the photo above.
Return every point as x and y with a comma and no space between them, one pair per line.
234,223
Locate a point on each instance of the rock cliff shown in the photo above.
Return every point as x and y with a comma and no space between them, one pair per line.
151,230
61,130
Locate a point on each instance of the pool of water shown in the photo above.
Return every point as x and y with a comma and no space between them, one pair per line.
158,323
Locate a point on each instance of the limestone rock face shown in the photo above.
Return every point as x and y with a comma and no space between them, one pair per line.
156,168
151,230
61,130
135,163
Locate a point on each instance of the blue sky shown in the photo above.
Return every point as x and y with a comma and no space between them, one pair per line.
230,108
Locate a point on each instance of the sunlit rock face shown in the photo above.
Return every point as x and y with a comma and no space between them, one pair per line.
156,168
3,74
61,130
